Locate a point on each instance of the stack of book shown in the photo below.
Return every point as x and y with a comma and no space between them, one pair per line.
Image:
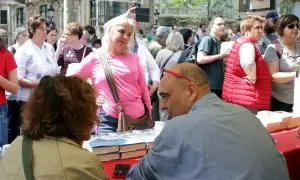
112,146
278,120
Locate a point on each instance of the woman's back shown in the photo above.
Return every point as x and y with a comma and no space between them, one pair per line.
165,55
53,158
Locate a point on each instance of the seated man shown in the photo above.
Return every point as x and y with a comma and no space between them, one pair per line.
207,138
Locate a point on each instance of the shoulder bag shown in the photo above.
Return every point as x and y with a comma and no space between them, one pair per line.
125,122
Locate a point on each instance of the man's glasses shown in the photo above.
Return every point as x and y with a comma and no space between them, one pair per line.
154,27
177,75
292,26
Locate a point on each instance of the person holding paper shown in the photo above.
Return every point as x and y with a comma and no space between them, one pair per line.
283,60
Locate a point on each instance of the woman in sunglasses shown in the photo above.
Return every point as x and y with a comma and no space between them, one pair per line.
283,60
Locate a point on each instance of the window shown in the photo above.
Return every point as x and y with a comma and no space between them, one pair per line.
116,8
20,16
43,11
103,11
3,17
93,9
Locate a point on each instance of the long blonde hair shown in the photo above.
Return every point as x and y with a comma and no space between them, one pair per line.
110,26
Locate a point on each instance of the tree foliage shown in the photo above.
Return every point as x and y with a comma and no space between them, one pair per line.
285,6
184,3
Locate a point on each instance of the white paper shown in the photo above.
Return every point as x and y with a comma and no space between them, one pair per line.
259,4
72,68
296,108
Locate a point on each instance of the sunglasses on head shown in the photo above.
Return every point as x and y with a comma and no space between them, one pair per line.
177,75
292,26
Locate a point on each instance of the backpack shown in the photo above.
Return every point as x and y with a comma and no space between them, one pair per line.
190,54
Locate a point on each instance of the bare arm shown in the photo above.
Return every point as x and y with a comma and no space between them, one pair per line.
11,83
203,58
273,61
280,77
28,83
247,60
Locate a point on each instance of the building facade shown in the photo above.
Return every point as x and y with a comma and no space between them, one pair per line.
202,12
14,13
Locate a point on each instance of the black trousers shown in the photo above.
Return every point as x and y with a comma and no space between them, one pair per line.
218,92
277,105
155,106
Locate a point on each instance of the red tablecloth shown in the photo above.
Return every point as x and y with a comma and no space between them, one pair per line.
286,142
289,145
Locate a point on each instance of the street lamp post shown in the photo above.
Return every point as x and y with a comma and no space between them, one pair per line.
51,23
156,16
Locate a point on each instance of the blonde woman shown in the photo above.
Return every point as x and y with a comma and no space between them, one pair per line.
168,57
127,71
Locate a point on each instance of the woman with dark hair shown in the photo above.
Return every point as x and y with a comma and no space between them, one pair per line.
8,82
188,37
283,60
58,117
96,44
35,59
52,37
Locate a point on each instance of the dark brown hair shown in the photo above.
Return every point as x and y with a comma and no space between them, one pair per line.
60,107
75,29
34,23
284,21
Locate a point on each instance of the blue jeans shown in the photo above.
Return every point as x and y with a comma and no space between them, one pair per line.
107,123
3,124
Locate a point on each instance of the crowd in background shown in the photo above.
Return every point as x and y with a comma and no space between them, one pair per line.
253,65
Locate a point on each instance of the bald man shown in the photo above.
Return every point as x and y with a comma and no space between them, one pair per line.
206,137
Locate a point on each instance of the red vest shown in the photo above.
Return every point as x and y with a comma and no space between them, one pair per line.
236,90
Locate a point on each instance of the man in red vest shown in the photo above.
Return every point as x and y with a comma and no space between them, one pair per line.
247,79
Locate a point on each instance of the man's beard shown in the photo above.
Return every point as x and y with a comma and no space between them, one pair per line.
269,29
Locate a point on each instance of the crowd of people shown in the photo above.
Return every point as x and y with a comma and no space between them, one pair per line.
55,93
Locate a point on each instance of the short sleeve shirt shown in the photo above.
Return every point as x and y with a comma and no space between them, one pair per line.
214,70
284,92
7,64
70,55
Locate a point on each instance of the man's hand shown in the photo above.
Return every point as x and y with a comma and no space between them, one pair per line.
226,53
